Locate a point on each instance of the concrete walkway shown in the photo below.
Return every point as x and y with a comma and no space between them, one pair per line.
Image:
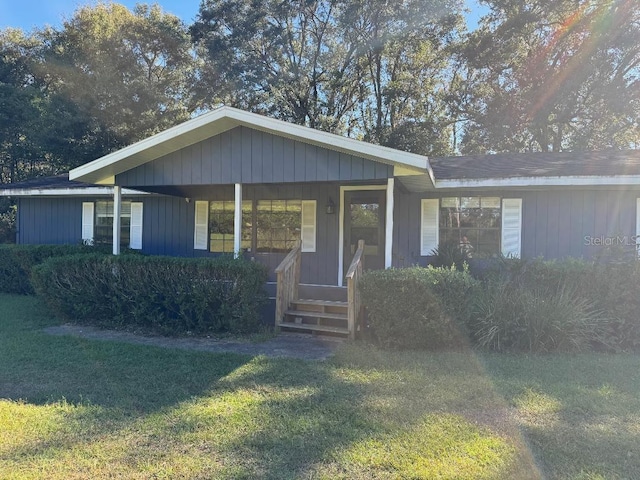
289,345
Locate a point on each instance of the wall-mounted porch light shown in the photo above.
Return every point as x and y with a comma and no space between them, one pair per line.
331,207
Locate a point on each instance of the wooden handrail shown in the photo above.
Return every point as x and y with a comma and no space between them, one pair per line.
354,274
288,279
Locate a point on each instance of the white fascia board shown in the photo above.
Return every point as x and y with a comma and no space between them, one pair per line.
567,181
66,192
331,141
226,118
150,148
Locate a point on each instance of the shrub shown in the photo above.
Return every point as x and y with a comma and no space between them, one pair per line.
615,289
163,294
608,291
417,307
16,262
512,317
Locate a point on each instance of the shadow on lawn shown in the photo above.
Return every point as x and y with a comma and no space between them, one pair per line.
153,410
580,413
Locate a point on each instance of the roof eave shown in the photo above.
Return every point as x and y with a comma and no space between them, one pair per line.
103,170
556,181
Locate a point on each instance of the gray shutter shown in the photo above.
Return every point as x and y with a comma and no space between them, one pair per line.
429,226
87,222
135,226
201,230
511,227
308,226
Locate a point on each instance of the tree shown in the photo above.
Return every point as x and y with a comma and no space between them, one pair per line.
115,77
371,69
552,75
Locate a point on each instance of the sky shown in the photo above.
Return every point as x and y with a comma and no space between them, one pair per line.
29,14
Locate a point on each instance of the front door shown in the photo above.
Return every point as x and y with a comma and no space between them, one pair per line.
364,217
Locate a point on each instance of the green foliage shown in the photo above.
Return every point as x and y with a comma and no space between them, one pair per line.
7,221
449,254
418,307
162,294
510,317
16,262
518,306
572,304
552,76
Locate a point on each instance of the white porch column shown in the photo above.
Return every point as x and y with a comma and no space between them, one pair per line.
117,211
388,232
237,221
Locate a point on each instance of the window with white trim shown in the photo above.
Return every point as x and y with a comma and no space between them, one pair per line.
480,226
268,226
97,223
221,218
471,223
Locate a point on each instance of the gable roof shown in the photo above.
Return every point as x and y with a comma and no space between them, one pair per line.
104,170
538,169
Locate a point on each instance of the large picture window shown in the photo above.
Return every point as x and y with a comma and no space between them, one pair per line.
268,226
472,223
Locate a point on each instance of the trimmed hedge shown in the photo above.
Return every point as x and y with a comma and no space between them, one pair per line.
163,294
16,262
418,307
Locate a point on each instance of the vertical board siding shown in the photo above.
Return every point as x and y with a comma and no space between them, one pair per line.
244,155
554,223
168,227
52,221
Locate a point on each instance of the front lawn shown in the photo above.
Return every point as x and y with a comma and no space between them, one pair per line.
74,408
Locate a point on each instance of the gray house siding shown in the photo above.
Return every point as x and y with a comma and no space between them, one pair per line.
248,156
49,220
168,224
555,222
320,267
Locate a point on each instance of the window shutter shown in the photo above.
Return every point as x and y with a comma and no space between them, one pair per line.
201,226
429,225
87,222
308,230
511,227
135,228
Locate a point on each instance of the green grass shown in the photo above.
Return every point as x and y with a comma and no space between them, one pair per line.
73,408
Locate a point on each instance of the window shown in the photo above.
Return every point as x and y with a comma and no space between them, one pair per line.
97,223
103,227
221,218
272,226
473,223
480,226
278,225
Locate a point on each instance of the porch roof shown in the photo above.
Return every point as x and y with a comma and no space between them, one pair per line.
59,185
103,170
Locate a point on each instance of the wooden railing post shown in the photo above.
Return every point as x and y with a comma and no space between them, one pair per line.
354,275
287,278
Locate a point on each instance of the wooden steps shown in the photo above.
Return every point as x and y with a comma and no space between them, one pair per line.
317,316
